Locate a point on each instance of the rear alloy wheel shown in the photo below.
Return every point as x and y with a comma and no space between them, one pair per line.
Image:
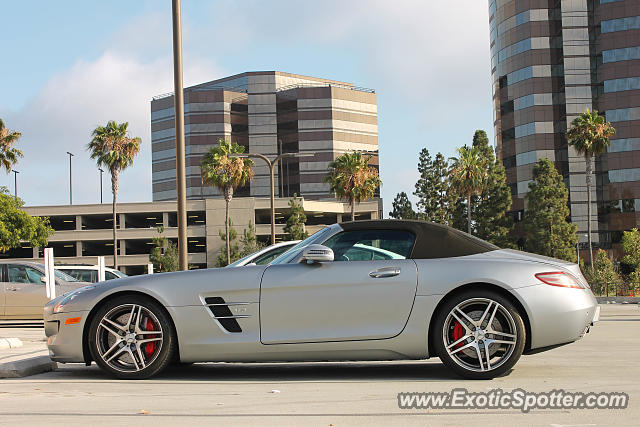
479,335
132,338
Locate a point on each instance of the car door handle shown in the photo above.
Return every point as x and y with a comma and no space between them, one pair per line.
385,272
12,289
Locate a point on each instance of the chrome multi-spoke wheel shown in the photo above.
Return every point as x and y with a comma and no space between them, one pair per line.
131,338
480,336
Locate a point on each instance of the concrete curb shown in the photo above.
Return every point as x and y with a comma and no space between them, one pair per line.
26,367
6,343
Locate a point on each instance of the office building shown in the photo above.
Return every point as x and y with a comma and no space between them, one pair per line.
550,61
268,113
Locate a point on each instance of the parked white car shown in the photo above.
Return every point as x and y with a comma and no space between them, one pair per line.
266,255
89,273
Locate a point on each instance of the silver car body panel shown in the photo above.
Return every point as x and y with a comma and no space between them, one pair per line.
331,311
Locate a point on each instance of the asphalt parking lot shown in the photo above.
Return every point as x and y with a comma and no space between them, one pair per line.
326,394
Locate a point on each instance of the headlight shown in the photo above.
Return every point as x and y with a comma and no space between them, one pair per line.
59,307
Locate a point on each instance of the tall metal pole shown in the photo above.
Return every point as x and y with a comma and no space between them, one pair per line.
70,186
272,165
101,172
181,184
15,182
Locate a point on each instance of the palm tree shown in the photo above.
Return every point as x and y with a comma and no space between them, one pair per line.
112,148
589,135
468,176
220,169
350,177
8,154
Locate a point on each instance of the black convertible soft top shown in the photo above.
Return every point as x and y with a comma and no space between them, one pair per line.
432,240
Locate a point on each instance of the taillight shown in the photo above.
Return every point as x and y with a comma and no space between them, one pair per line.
559,278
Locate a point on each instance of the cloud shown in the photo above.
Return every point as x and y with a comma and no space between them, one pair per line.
427,60
61,117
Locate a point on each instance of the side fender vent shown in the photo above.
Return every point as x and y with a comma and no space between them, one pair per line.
222,313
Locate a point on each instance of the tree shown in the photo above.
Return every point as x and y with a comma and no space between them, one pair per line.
631,249
435,200
8,153
249,241
350,177
164,255
589,135
545,221
222,170
402,208
491,206
17,226
231,251
295,227
112,148
604,276
468,176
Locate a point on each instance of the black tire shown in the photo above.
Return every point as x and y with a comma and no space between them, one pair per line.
137,360
506,321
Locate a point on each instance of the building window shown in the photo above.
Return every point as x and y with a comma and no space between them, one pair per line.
621,24
623,114
619,85
624,144
623,54
624,175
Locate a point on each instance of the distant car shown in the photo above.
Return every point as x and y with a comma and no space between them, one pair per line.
22,292
443,293
266,255
89,273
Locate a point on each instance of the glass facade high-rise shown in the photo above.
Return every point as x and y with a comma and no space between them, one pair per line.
550,61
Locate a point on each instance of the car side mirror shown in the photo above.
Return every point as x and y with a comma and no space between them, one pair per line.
43,279
317,253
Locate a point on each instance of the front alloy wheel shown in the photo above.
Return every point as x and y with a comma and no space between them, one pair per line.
480,335
131,338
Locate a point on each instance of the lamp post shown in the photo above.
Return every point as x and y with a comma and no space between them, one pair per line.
101,172
15,182
70,187
178,98
272,165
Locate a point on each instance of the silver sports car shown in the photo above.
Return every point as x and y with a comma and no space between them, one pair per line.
366,290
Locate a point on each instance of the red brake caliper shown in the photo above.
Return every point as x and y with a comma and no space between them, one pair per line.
150,347
458,332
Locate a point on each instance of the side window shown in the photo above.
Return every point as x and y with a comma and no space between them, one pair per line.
23,274
109,275
271,255
365,245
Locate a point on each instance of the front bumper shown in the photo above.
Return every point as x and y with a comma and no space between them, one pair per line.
64,341
558,315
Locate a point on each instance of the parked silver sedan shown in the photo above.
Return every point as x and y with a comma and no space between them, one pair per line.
442,293
22,292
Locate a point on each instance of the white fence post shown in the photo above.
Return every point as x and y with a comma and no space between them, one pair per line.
150,268
49,274
101,269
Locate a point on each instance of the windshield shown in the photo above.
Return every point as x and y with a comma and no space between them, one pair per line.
235,263
318,236
64,276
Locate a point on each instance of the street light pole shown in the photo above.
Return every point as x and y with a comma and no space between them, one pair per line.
101,172
15,182
178,97
272,165
70,186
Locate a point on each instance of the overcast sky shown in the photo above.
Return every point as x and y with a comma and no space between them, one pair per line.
70,66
